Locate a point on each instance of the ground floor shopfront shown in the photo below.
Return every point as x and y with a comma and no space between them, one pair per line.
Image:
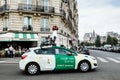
20,41
25,40
17,44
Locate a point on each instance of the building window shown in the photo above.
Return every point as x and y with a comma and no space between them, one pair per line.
27,23
61,31
45,24
65,33
27,1
5,24
28,5
45,4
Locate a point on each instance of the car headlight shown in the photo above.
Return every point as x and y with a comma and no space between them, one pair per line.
90,57
93,58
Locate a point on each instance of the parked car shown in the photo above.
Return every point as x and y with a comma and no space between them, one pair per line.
110,49
119,49
50,58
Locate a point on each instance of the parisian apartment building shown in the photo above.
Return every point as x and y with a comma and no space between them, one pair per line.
28,23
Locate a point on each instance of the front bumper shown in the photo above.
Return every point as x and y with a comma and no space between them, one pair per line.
94,65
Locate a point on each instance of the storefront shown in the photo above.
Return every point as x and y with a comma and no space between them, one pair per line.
16,39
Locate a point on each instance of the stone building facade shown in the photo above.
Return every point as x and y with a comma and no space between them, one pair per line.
29,22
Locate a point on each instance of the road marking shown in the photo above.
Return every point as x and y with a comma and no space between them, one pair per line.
114,60
2,61
118,57
102,59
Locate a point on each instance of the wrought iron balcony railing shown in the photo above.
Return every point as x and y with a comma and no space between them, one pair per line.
45,9
63,14
70,23
29,8
26,7
5,29
27,28
70,13
44,29
37,8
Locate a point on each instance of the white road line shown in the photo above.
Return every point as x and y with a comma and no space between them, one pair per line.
102,59
118,58
114,60
2,61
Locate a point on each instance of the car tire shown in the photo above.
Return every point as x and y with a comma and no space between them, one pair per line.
32,68
84,66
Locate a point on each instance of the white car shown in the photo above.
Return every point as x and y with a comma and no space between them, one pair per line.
55,58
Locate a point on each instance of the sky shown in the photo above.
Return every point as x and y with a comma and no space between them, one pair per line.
100,15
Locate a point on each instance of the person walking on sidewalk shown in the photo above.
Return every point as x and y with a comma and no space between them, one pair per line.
11,51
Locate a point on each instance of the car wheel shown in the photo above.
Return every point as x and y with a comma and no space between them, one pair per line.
32,68
84,66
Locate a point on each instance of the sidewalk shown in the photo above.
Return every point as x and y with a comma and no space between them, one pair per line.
14,60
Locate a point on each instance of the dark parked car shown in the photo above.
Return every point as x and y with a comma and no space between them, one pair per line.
84,50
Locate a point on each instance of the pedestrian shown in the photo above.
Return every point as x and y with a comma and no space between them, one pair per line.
11,51
19,50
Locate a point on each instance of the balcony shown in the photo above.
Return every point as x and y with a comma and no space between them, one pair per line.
45,9
70,23
67,20
30,28
63,14
5,29
26,7
45,29
70,13
27,28
65,1
35,8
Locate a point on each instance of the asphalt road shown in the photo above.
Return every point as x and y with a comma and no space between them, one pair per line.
108,70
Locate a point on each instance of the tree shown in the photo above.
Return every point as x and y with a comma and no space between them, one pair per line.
97,41
112,40
103,43
115,41
109,40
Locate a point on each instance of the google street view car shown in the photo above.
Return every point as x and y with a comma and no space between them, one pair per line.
49,58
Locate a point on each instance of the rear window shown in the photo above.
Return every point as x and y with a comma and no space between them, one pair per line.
38,51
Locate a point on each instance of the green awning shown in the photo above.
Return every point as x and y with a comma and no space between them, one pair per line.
25,37
6,37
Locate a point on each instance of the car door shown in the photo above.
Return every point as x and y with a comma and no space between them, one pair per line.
64,59
46,59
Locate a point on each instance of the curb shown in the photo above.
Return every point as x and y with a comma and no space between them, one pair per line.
9,60
6,62
9,63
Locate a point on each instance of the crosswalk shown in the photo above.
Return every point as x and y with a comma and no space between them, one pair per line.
2,61
108,59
